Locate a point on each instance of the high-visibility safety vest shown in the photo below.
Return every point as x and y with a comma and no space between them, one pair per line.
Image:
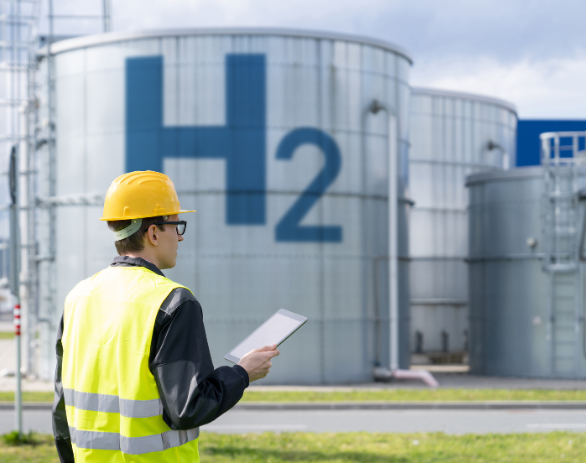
113,406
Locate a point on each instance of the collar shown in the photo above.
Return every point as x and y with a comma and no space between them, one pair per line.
127,261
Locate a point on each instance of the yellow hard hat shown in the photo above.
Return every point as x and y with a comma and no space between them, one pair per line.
141,194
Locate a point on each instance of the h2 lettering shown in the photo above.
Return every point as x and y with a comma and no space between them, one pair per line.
241,142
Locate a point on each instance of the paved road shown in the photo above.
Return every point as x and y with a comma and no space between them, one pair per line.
449,421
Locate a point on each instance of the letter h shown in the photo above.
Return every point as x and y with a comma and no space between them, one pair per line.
241,142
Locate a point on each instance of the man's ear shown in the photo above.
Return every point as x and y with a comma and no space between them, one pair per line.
152,236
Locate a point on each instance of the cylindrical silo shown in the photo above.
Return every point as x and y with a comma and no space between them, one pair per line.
267,134
526,310
452,135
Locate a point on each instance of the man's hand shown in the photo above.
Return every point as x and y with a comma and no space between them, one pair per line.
257,362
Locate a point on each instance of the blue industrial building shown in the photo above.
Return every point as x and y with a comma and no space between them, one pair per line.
528,130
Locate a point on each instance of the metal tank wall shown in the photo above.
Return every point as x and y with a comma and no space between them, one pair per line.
524,321
450,136
6,299
266,134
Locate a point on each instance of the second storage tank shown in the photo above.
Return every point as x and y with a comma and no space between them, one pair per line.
453,135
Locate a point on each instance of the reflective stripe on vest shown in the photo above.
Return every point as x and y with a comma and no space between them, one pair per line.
111,397
131,445
113,404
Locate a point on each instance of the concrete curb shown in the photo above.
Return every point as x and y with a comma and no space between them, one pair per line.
525,405
300,406
27,406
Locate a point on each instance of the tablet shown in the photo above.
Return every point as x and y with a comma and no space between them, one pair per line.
274,331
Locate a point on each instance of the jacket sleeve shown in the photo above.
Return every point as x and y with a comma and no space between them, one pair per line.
192,391
60,425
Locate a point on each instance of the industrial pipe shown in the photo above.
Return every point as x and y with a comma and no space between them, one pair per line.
14,276
581,198
394,371
383,374
107,15
491,145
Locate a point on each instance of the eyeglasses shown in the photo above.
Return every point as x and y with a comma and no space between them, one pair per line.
181,226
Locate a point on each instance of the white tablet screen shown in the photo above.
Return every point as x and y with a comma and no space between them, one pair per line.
273,331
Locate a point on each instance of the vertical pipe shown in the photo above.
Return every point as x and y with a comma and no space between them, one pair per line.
393,243
48,295
576,252
14,276
107,15
546,162
30,238
32,306
25,302
393,237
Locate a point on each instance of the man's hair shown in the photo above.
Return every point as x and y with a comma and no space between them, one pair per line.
134,242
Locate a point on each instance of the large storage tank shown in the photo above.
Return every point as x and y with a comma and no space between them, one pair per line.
526,281
452,135
267,134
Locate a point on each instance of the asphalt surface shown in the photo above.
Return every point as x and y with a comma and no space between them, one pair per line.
448,421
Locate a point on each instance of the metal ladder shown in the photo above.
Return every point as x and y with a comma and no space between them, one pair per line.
561,227
46,200
31,132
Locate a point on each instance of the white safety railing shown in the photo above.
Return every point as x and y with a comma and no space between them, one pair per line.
563,157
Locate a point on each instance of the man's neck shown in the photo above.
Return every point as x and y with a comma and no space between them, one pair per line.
146,256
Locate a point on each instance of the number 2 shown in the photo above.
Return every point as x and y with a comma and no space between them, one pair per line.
289,228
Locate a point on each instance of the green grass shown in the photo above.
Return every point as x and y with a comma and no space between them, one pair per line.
15,439
416,395
6,334
39,448
393,448
383,395
358,447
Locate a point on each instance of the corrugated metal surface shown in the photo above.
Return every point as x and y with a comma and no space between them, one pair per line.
524,320
266,136
6,303
450,133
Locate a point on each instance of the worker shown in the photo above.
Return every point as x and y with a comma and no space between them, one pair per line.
134,378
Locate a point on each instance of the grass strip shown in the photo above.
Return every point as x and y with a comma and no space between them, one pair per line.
40,449
417,395
6,334
403,448
383,395
13,439
358,447
6,396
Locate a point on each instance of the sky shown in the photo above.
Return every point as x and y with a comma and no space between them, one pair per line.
529,52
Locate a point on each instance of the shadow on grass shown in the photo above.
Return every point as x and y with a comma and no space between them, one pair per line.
260,454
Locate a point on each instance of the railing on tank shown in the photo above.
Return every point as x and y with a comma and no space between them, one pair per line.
563,157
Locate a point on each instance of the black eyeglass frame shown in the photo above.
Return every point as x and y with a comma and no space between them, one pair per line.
179,222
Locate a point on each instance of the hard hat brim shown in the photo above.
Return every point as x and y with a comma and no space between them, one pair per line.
109,219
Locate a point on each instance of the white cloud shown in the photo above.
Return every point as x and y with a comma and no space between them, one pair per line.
551,88
512,49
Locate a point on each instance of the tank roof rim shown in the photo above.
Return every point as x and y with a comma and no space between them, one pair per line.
511,174
464,95
113,37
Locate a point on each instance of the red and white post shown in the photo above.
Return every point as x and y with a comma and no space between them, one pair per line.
17,375
17,319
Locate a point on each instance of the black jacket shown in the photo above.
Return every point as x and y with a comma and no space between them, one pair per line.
192,391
